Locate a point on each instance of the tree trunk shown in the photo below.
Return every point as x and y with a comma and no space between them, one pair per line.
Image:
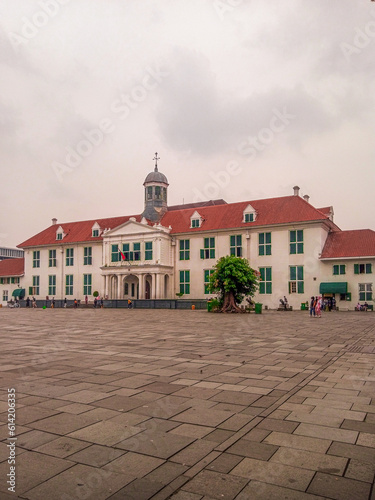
230,305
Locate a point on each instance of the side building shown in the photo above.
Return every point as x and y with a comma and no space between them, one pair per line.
297,248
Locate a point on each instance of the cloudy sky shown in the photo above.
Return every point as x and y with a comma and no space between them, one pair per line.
241,99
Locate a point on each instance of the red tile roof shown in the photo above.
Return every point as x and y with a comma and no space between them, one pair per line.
198,204
75,231
12,267
356,243
284,210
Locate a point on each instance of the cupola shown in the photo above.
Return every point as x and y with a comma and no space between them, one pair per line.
156,185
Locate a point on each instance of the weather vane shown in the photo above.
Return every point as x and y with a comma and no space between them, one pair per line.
156,162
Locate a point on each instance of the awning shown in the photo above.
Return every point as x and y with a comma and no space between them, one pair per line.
19,292
338,287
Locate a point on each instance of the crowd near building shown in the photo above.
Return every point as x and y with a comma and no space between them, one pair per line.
167,250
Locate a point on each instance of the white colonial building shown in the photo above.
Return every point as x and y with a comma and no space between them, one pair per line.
297,248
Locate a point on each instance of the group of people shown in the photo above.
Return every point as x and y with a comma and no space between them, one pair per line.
31,302
316,304
361,307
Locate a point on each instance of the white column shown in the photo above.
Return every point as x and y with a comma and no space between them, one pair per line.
105,285
158,295
119,284
141,279
153,286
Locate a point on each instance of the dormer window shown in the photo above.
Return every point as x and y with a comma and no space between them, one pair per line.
60,234
249,214
95,230
195,220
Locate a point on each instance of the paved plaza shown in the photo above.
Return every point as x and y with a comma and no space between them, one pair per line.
157,404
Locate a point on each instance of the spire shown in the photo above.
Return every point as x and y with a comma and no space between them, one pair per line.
156,162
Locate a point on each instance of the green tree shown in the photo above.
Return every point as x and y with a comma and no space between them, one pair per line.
232,280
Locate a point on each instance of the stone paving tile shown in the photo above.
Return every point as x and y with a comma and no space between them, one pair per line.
135,464
224,463
252,449
271,424
81,481
32,469
139,489
216,485
62,447
366,439
339,488
262,491
358,426
298,442
219,435
213,418
319,431
194,452
361,453
361,471
106,433
310,460
33,439
274,473
193,431
63,423
96,455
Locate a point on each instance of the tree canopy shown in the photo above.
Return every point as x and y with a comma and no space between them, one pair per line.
232,280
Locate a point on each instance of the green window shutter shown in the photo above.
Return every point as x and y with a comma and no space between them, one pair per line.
182,288
182,245
368,269
187,255
233,251
187,289
261,250
269,287
268,249
206,242
262,287
356,268
300,235
261,238
268,238
212,242
202,253
30,290
268,274
136,247
262,276
292,248
293,273
292,236
300,273
362,295
182,254
187,276
232,241
239,240
342,269
300,247
187,244
369,295
212,253
335,269
300,287
181,276
206,276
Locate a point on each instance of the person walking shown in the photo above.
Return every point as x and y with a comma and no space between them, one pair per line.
312,307
28,302
95,302
53,303
318,307
86,300
75,304
34,303
65,303
101,303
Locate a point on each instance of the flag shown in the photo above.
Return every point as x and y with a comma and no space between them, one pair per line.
122,255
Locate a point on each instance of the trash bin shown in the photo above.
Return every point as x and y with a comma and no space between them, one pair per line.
258,308
303,306
209,306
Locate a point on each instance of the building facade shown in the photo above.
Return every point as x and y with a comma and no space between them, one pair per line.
10,253
297,248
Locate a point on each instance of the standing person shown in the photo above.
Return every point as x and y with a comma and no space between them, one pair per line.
318,306
34,303
28,302
53,303
101,303
95,302
130,304
312,307
285,303
86,300
75,303
65,303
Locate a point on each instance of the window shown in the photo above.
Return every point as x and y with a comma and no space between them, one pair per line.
249,218
87,256
1,281
164,194
207,274
149,193
12,280
126,289
87,278
52,258
36,258
137,251
69,284
265,285
362,268
115,254
184,249
195,222
148,250
249,214
59,236
5,295
133,290
296,284
95,233
36,282
185,282
339,269
52,285
208,252
296,241
264,243
157,192
236,245
69,261
365,291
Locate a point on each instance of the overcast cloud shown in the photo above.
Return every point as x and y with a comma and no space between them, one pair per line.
195,80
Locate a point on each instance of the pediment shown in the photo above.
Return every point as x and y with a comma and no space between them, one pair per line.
131,227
